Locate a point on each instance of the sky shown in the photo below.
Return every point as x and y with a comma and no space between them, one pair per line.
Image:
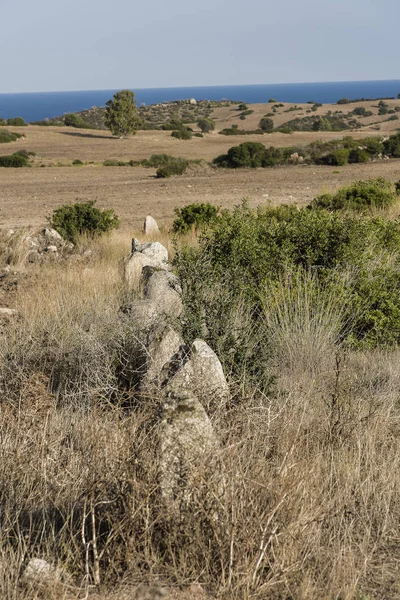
49,45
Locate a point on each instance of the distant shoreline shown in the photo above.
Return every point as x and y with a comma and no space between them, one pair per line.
37,106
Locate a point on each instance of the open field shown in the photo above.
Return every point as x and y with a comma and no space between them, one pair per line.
28,196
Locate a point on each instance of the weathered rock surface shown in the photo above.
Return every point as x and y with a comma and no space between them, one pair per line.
164,345
187,442
153,250
164,289
201,373
150,225
39,570
8,312
52,236
133,268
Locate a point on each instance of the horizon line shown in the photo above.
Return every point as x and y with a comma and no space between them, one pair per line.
181,87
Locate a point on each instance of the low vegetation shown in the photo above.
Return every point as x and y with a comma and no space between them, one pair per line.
194,217
74,220
361,196
8,136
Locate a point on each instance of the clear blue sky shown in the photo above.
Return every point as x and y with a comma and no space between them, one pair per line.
49,45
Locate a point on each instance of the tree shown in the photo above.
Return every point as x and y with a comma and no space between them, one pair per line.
121,116
206,125
266,124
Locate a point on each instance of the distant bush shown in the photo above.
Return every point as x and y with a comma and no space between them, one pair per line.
8,136
242,106
72,220
77,162
266,124
110,162
360,111
343,101
174,166
359,155
206,125
74,120
182,134
234,130
14,161
16,122
194,216
360,196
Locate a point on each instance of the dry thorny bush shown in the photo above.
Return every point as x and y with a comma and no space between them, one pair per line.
311,503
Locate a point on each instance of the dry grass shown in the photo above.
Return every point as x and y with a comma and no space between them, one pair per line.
311,506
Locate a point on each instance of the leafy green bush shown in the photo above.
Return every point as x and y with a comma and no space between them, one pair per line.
266,124
14,160
72,220
194,216
359,155
244,254
16,122
343,101
8,136
235,131
360,196
182,134
242,106
77,162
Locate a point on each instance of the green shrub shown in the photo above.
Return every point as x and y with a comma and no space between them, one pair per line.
72,220
77,162
337,157
74,120
235,131
206,125
343,101
182,134
242,106
266,124
16,122
175,166
110,162
194,216
359,155
14,161
360,196
244,254
8,136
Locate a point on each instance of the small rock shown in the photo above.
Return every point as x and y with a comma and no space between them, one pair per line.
38,570
34,257
52,235
150,225
193,101
51,249
150,592
8,312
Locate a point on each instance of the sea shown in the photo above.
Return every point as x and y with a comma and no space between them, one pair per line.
41,105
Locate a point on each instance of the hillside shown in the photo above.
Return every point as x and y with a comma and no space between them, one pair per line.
361,115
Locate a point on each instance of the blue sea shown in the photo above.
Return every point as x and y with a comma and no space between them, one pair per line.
42,105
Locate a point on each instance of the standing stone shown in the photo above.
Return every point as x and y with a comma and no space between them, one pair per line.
150,225
201,373
164,344
133,268
164,289
187,445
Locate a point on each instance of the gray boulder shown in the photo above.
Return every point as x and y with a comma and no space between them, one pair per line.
39,571
152,250
52,236
150,226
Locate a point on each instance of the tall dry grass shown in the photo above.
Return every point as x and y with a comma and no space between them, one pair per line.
312,500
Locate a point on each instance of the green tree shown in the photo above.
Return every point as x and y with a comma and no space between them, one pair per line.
121,116
206,125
